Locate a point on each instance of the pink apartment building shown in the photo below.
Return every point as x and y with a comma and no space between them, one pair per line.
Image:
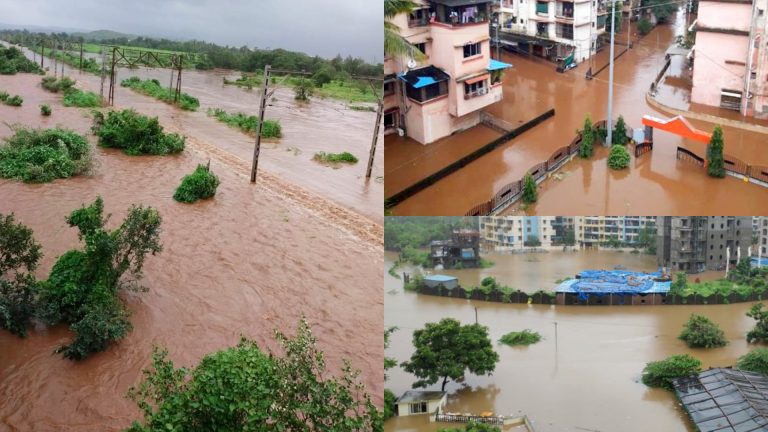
445,93
730,56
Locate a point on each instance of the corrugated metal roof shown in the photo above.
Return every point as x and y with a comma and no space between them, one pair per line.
440,278
420,396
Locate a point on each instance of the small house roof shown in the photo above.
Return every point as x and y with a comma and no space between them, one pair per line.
420,396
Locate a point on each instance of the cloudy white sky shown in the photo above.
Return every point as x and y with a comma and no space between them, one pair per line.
317,27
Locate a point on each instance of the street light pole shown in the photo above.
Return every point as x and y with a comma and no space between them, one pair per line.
609,121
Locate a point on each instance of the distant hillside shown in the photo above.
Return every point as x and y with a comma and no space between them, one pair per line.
37,28
99,35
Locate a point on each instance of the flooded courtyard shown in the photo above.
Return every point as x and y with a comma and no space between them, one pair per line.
655,183
585,373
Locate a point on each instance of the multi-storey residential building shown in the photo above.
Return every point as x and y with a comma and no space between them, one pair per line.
699,243
553,29
444,93
761,232
591,231
507,233
731,64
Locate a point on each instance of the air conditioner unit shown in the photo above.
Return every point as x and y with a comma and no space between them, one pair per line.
482,91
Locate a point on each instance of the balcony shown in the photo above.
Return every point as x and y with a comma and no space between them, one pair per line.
418,22
449,14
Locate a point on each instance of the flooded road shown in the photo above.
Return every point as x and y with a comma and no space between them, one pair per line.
244,263
656,183
586,377
320,125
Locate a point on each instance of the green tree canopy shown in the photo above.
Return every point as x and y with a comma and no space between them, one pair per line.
701,332
754,361
446,350
715,158
19,256
760,332
530,192
586,148
661,373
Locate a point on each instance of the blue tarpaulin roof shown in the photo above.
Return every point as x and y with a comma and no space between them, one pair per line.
418,78
497,65
761,262
620,282
440,278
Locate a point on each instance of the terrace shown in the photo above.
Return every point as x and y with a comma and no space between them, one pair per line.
458,13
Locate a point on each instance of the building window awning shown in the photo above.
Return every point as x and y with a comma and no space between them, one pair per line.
477,79
423,77
497,65
730,94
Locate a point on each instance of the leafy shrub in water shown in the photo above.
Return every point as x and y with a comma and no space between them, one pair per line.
152,87
45,110
661,373
760,332
333,158
4,96
56,85
754,361
247,123
530,191
618,158
14,101
701,332
525,337
12,60
201,184
136,134
82,99
19,256
42,155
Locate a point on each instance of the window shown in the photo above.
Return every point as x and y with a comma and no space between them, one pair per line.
390,120
421,47
429,92
474,89
418,407
472,50
389,88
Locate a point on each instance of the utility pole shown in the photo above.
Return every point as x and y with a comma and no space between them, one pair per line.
81,55
476,315
379,114
262,108
609,121
103,70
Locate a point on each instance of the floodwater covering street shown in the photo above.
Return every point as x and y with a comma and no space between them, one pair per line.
655,183
249,261
585,373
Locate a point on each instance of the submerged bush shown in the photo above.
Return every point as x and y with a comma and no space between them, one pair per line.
333,158
14,101
701,332
4,96
661,373
12,61
45,110
56,85
525,337
201,184
618,158
247,123
152,87
754,361
19,256
42,155
81,99
136,134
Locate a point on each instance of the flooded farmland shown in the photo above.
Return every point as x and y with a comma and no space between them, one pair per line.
655,183
249,261
583,376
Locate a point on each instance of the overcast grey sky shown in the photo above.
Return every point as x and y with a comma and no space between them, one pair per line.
317,27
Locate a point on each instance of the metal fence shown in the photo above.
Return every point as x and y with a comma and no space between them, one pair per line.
731,164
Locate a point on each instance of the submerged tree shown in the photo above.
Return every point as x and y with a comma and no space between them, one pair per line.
303,89
661,373
620,132
618,158
760,332
586,148
754,361
701,332
530,194
247,389
19,256
715,159
446,350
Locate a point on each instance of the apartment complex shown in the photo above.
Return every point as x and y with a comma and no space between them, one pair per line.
592,231
700,243
731,65
509,233
553,29
444,93
760,230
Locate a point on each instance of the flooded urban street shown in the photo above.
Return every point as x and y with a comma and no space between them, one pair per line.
320,125
249,261
586,376
655,183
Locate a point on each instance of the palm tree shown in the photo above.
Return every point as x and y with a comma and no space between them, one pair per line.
394,44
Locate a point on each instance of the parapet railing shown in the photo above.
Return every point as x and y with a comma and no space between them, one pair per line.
731,164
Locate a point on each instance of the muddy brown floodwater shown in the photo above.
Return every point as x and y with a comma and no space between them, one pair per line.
321,125
584,379
251,260
655,183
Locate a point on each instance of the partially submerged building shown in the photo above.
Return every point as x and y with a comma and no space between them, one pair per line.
415,402
444,281
461,250
614,283
695,244
725,400
513,233
433,98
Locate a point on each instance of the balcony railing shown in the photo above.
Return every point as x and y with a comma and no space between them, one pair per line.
418,22
477,93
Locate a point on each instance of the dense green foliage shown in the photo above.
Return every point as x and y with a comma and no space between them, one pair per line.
620,132
662,9
616,25
701,332
45,110
4,96
530,192
586,147
12,61
680,284
83,285
335,158
201,184
755,361
19,256
618,158
447,350
15,100
346,90
473,426
42,155
57,85
418,231
136,134
152,87
661,373
389,404
760,332
82,99
246,389
644,26
247,123
525,337
715,158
